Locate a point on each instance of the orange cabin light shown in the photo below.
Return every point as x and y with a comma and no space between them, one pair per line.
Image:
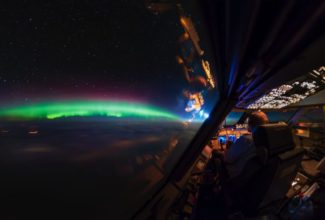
300,131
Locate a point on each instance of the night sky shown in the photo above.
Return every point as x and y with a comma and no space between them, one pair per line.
89,50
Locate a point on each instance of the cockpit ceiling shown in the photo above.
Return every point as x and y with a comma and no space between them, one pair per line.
292,92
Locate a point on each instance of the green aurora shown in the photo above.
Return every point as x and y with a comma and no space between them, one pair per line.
54,110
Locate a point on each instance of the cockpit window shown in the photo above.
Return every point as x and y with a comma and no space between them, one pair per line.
98,101
312,115
281,116
232,118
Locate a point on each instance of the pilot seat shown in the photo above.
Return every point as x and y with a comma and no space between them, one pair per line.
267,177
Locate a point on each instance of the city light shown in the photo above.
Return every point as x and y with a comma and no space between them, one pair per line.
188,26
195,102
206,68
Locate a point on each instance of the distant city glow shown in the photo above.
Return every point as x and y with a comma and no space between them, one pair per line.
195,102
65,109
198,116
188,26
207,70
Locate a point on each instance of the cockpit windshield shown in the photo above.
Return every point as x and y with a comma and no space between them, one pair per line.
233,118
98,101
281,116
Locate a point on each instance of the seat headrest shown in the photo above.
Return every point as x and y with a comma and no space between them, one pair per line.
276,138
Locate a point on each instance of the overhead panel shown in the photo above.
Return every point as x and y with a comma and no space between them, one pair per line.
292,92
